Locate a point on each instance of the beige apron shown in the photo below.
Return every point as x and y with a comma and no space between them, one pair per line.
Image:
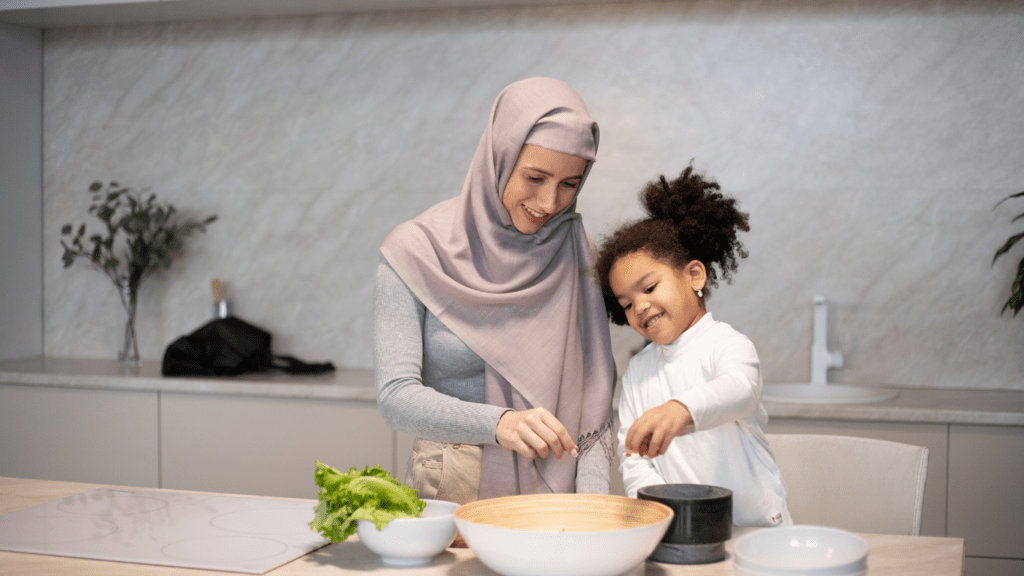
445,471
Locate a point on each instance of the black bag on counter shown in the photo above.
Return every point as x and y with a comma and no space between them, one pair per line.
228,347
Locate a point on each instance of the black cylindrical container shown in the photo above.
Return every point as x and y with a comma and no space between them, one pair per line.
701,526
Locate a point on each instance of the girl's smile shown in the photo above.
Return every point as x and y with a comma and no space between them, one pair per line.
647,323
660,301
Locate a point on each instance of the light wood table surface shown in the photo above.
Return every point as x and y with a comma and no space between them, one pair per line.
887,556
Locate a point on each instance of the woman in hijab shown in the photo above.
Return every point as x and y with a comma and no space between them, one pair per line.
491,341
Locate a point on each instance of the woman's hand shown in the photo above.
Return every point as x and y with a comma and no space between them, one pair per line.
535,432
652,433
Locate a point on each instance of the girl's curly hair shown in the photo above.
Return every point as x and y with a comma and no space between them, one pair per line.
689,219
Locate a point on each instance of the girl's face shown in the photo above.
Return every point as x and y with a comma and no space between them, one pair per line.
660,300
542,184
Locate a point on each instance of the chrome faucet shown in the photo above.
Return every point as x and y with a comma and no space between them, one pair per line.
821,358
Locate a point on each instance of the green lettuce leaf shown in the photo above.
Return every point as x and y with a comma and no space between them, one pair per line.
367,494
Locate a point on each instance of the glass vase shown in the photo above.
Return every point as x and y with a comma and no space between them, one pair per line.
128,355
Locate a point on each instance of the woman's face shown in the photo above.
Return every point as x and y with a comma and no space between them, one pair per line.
660,300
542,184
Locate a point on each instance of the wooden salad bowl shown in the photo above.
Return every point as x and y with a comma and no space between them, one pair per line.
566,534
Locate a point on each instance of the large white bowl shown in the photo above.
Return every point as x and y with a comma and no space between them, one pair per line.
801,551
411,541
564,534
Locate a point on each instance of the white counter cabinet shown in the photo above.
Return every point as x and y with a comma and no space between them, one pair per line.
265,446
986,501
79,435
261,434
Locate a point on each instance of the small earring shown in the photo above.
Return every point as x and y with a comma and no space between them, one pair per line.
700,293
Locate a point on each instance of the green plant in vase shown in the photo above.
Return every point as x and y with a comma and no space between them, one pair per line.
1016,301
141,237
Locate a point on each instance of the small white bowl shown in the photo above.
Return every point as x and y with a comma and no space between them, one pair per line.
801,551
411,541
564,534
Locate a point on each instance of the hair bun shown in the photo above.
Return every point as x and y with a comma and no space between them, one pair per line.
679,199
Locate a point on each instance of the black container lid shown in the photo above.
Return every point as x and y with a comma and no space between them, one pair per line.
703,514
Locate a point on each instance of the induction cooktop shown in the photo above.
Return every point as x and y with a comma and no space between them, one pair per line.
230,533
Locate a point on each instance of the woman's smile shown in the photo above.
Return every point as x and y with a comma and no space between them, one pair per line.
536,215
543,184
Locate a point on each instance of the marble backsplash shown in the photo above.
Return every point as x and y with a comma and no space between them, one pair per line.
869,142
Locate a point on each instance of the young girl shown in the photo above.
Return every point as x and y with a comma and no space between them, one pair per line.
690,407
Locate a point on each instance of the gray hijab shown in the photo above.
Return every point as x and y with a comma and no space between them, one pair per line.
527,304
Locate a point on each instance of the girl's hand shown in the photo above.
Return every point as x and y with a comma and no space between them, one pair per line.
535,432
652,433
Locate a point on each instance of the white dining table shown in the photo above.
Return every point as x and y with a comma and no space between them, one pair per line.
888,555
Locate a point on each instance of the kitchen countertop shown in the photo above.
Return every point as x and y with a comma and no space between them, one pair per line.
354,384
918,405
888,555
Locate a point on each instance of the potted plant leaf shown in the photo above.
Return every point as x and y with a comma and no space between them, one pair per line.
141,237
1016,301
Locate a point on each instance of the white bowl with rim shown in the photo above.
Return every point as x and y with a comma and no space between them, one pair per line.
564,534
800,550
411,541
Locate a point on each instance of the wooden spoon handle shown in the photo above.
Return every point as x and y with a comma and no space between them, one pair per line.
218,291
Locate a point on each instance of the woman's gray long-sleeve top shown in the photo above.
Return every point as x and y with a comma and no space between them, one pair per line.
429,383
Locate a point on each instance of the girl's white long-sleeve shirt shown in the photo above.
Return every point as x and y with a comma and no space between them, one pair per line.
714,371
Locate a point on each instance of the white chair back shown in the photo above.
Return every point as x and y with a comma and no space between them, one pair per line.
856,484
